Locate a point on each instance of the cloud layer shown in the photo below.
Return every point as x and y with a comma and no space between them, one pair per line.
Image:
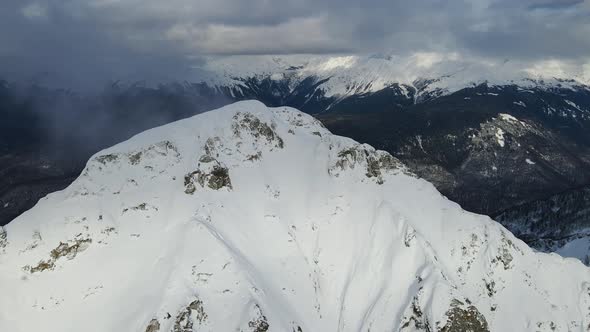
154,39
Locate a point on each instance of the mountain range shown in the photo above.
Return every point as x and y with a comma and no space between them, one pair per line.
493,137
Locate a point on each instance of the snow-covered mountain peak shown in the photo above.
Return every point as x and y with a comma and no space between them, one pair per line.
251,218
347,75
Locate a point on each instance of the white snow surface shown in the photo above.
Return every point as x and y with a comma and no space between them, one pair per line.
578,248
302,238
500,137
572,104
519,103
508,117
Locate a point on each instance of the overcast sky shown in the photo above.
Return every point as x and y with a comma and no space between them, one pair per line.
160,39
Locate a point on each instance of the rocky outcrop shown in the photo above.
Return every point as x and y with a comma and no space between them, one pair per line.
189,318
375,163
462,319
153,326
69,250
246,123
211,174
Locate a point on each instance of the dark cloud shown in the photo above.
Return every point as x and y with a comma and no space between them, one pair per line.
46,42
516,30
74,40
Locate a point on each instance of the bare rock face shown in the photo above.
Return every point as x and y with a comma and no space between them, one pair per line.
190,318
68,250
246,123
259,322
375,163
3,237
464,319
153,326
211,174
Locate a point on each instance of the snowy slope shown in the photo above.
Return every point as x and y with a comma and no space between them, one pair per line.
428,73
252,218
578,248
560,223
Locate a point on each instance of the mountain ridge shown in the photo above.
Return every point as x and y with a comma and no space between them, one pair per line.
264,211
488,147
419,76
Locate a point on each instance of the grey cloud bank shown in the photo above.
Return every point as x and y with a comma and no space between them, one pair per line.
76,42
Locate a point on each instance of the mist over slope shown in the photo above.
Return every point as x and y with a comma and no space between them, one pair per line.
47,135
259,219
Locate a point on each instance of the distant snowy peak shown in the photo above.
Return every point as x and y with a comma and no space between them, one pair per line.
353,74
258,219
